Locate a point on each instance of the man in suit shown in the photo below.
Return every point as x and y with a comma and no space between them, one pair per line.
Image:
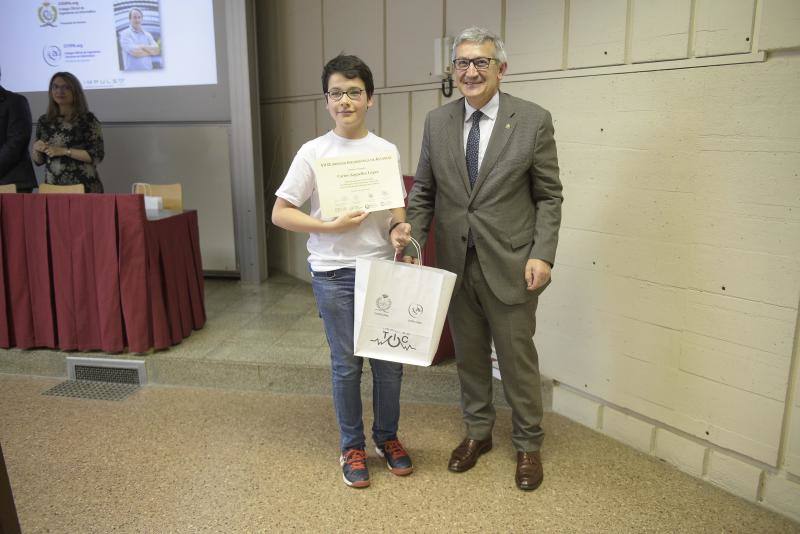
15,134
488,179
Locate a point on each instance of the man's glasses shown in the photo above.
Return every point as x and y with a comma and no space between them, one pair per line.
354,93
481,63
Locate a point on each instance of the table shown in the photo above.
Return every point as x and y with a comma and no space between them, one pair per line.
91,272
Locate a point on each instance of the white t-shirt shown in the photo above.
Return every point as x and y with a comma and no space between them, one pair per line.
330,251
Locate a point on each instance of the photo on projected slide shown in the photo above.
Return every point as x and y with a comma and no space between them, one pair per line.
139,35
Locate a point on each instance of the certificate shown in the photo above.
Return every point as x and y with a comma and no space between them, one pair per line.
369,182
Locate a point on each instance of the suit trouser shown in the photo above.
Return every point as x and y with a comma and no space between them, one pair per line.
477,317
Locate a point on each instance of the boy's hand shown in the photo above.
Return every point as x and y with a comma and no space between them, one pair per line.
347,221
400,236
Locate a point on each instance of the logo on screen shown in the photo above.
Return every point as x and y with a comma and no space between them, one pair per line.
52,55
48,14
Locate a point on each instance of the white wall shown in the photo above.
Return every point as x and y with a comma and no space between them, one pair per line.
672,320
195,155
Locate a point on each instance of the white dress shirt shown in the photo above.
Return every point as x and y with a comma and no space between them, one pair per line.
487,123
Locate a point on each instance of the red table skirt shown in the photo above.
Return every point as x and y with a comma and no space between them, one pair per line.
90,272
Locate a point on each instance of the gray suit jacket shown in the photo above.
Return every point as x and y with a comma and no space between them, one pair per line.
514,210
15,135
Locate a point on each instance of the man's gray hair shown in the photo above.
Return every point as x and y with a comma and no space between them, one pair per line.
480,36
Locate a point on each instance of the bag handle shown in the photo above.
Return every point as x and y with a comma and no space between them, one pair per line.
143,185
419,252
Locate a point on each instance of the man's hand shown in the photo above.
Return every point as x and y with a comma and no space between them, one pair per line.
347,221
400,236
537,274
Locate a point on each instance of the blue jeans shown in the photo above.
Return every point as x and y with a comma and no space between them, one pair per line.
334,291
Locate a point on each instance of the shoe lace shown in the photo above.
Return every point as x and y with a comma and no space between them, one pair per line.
395,448
356,459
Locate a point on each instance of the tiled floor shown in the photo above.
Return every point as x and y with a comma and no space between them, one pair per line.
246,453
183,459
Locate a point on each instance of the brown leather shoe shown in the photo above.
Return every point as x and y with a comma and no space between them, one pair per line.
466,454
529,470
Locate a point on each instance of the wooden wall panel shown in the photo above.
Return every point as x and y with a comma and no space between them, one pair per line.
295,64
461,14
660,30
723,27
395,124
409,60
355,27
421,103
780,25
534,35
597,33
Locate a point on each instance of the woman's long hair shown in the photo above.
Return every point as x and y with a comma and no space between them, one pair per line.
79,105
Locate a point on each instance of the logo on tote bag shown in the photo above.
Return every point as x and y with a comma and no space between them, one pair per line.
415,311
382,305
394,339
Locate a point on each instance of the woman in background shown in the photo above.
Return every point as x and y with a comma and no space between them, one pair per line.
69,138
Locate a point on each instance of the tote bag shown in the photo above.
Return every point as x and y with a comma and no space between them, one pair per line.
400,310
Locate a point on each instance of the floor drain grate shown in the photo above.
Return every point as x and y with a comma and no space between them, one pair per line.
91,389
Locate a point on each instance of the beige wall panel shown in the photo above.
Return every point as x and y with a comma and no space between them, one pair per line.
412,26
597,33
421,103
610,294
324,121
644,259
374,115
622,167
297,56
755,276
268,40
600,356
299,126
355,27
749,228
793,444
792,461
751,324
660,30
273,142
745,368
461,14
745,422
395,120
534,35
723,27
643,214
780,24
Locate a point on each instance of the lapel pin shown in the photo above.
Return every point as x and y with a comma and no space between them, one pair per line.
508,125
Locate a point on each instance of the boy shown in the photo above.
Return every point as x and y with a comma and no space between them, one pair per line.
333,245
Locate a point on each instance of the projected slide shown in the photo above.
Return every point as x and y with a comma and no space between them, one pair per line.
108,43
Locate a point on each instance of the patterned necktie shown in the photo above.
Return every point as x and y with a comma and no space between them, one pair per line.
473,145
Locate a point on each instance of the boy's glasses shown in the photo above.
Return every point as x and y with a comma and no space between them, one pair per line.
354,93
481,63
